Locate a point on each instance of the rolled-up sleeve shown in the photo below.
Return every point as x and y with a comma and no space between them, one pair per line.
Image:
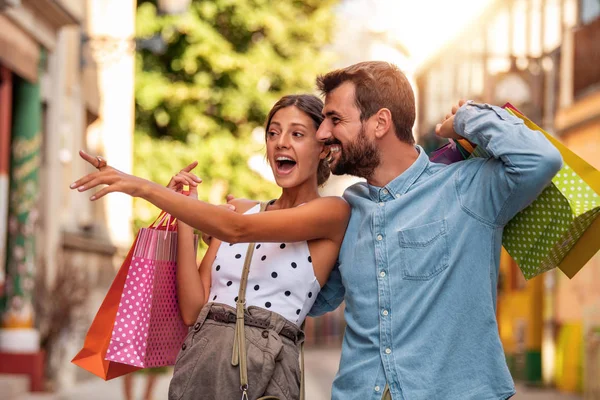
523,162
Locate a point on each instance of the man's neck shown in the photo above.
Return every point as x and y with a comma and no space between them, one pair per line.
396,157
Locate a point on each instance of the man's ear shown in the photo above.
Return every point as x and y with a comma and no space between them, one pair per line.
384,122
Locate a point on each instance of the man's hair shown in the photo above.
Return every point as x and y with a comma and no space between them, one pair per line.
378,85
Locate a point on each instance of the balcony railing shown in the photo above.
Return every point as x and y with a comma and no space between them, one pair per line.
586,70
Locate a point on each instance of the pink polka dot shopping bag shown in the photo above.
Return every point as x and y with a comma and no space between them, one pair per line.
138,324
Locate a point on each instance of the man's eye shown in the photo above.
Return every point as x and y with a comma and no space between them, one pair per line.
335,120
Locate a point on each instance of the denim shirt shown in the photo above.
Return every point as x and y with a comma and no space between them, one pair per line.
419,264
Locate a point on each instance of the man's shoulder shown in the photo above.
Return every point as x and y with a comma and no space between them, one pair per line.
359,189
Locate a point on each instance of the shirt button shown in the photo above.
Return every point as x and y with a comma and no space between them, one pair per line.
385,312
397,196
385,191
381,204
379,237
382,274
388,351
377,388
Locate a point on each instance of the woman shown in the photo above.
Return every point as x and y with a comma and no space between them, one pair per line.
297,242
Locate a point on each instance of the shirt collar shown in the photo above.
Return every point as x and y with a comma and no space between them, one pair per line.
402,183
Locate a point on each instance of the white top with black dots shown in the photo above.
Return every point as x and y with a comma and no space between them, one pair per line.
281,277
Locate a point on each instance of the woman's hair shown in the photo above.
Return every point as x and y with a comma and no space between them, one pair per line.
312,106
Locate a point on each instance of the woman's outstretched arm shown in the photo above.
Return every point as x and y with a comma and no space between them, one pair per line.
322,218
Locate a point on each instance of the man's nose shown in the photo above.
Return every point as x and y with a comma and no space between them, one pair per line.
323,133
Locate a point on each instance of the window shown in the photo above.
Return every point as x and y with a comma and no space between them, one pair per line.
589,10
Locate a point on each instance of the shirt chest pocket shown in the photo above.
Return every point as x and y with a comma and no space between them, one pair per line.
424,250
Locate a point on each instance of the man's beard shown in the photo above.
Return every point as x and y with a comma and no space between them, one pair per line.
358,158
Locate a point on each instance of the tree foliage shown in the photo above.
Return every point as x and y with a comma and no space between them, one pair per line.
223,65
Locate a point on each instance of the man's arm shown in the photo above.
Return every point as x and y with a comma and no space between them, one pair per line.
331,295
523,163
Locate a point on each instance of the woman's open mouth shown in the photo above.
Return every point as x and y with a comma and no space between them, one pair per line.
285,165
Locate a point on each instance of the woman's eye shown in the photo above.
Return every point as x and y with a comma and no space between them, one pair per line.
271,133
298,134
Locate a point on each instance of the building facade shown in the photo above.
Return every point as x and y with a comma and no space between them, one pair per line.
542,56
66,69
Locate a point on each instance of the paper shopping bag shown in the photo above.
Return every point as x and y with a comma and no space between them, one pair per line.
451,152
560,228
148,329
92,356
154,331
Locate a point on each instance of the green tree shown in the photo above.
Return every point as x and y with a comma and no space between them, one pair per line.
223,65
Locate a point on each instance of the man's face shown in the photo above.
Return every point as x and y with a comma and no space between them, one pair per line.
352,150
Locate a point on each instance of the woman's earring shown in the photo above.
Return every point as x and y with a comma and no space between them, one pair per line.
328,157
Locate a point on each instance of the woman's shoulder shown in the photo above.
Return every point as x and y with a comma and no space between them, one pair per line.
329,204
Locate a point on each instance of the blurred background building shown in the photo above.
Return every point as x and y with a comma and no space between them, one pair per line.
66,83
67,71
543,57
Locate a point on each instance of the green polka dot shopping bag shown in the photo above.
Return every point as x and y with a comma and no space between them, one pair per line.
561,227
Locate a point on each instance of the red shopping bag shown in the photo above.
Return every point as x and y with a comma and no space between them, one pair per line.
138,324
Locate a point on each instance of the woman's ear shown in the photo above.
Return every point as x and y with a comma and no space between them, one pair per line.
384,122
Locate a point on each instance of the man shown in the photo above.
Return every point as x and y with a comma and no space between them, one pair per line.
419,263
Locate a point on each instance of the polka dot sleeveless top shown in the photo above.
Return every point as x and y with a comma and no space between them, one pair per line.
281,277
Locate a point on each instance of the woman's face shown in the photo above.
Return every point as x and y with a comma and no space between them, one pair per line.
293,150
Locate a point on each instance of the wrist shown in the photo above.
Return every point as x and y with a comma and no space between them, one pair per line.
144,189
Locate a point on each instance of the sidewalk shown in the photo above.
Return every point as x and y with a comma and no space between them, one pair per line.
525,393
321,367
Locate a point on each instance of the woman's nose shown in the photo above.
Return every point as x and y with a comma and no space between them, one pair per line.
283,141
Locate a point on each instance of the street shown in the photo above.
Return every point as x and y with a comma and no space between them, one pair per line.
321,366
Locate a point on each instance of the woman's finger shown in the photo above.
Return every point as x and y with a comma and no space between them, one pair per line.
89,158
178,182
98,180
191,177
175,181
193,192
186,180
190,167
82,181
103,192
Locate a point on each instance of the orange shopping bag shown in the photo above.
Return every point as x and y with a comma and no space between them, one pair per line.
91,356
